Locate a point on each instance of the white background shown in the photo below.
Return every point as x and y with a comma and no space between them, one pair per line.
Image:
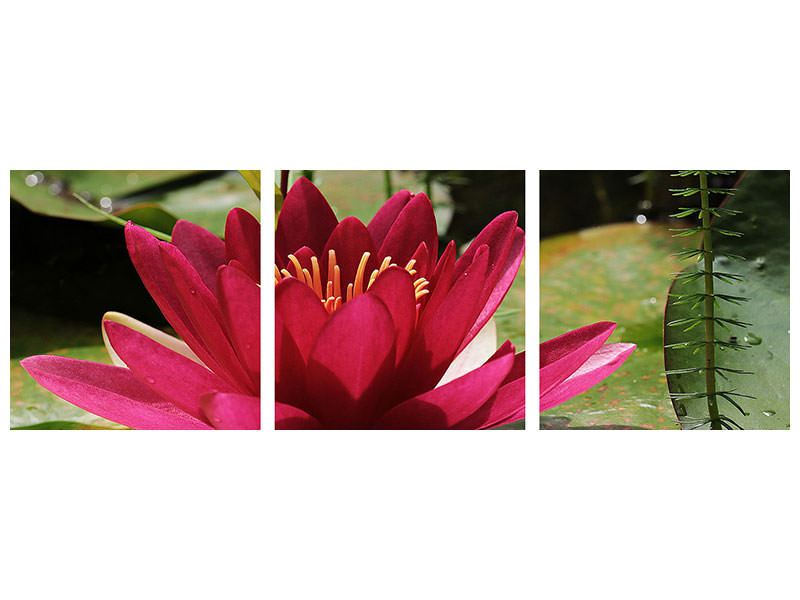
403,85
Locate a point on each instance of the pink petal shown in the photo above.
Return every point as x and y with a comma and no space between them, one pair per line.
421,260
113,393
290,417
440,283
290,367
600,365
395,288
145,255
416,223
507,405
505,277
350,239
497,235
205,317
172,376
437,340
204,250
349,363
302,313
445,406
240,303
562,356
382,221
232,411
306,219
243,241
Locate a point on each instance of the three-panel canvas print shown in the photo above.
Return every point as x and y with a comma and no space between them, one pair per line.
399,299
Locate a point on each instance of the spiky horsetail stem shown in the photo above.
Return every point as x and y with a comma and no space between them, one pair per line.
716,420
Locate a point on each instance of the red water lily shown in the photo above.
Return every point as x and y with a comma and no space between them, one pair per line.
209,291
375,330
572,363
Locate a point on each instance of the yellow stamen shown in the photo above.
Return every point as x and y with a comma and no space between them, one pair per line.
329,290
307,276
337,286
331,263
298,269
315,276
359,282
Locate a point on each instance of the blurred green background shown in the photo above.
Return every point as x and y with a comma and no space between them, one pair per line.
464,202
69,265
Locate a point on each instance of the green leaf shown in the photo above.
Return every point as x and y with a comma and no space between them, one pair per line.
50,192
253,179
763,198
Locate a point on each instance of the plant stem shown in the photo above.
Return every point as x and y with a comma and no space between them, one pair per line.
708,258
387,182
284,183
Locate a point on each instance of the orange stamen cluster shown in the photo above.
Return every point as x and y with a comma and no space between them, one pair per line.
330,292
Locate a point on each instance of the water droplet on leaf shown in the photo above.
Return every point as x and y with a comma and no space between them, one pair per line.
150,380
760,263
768,413
752,339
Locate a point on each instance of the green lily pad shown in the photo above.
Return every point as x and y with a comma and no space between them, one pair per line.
515,425
50,192
611,273
763,196
31,404
207,204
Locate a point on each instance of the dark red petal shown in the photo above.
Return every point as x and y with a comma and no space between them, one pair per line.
562,356
497,235
507,405
436,342
440,283
416,223
243,241
145,255
232,411
204,314
306,219
350,240
204,250
173,376
240,303
291,417
113,393
382,221
290,367
446,406
349,363
493,295
395,288
421,260
302,313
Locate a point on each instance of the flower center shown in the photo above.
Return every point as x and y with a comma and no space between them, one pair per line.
330,292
